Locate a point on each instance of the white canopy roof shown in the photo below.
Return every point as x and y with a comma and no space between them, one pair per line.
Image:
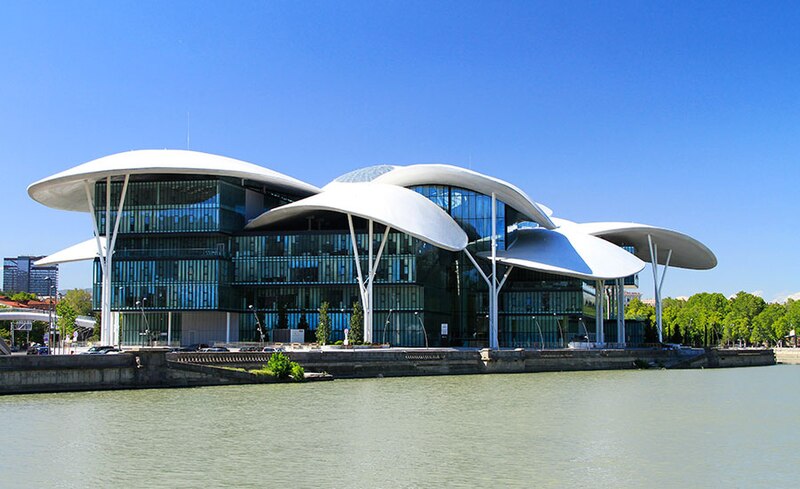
687,252
86,250
565,252
435,174
390,205
65,190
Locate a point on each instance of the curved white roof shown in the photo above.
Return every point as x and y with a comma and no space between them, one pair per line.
435,174
390,205
65,190
566,252
86,250
687,252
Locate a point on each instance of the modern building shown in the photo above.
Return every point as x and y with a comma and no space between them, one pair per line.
191,247
20,274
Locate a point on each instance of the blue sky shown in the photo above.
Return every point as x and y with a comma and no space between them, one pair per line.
679,114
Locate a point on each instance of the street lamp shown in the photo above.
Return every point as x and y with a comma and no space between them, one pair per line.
51,286
258,323
140,303
424,332
386,324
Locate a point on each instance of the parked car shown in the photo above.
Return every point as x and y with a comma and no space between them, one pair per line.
101,350
214,349
249,348
38,350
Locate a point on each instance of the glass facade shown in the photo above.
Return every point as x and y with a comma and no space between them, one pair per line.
182,249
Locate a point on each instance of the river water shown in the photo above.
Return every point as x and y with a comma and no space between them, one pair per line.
655,428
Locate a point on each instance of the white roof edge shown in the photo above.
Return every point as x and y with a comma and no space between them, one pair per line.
65,190
390,205
85,250
687,252
441,174
570,253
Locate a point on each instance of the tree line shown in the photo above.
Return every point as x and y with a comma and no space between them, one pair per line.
713,319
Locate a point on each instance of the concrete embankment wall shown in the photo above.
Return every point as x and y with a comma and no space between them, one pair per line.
788,355
157,368
135,370
361,363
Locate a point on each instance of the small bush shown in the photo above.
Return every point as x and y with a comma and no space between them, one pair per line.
280,365
298,372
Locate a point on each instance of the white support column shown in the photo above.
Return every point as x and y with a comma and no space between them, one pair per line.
599,298
621,311
227,327
368,315
493,327
109,335
365,285
658,283
169,328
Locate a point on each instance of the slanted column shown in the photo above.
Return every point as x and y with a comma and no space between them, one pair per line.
658,283
109,335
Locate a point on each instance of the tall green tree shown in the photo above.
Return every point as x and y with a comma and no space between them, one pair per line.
324,325
744,308
66,318
763,331
79,300
356,335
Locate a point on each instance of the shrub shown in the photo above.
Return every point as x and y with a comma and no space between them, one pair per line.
324,326
298,372
280,365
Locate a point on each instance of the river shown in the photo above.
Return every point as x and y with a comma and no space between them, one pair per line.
653,428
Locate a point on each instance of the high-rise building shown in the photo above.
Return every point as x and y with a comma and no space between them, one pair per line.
21,275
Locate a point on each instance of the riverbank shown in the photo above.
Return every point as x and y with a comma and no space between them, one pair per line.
158,368
788,355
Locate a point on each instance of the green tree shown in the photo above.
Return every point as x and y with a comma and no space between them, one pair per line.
23,297
640,311
66,318
324,325
764,331
79,300
743,309
356,335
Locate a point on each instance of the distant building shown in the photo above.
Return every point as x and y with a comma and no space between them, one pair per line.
21,275
649,302
630,295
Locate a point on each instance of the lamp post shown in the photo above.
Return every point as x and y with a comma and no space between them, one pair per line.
424,332
52,313
560,330
140,303
386,325
258,324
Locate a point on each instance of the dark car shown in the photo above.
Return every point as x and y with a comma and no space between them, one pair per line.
101,350
249,348
214,349
38,350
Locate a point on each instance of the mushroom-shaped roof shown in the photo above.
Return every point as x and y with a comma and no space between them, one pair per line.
436,174
687,252
85,250
565,252
65,190
390,205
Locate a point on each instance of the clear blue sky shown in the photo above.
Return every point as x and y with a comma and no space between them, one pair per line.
678,114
